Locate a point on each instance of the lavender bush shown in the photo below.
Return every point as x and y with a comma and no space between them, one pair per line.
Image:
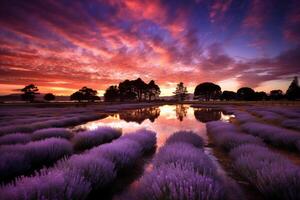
291,123
75,177
267,115
51,132
179,154
146,138
228,137
173,183
15,138
50,184
32,155
243,117
273,135
98,171
181,170
289,113
60,122
13,164
124,152
88,139
186,137
273,175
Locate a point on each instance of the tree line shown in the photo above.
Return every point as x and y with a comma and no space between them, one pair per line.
209,91
138,90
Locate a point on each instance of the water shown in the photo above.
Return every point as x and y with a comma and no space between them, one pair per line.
164,120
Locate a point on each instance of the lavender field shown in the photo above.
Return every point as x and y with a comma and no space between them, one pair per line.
150,151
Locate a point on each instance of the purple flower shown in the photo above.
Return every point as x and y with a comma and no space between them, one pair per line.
146,138
98,171
124,153
33,155
186,137
273,175
181,153
272,134
50,184
228,137
291,123
88,139
15,138
172,182
51,132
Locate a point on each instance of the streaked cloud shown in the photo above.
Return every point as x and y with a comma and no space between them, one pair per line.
64,45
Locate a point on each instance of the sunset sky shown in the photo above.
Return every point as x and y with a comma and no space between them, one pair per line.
62,45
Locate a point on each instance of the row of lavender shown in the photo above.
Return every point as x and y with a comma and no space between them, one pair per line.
77,176
284,117
181,170
51,122
276,136
29,119
46,147
272,174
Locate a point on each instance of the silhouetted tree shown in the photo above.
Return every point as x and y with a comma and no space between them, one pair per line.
112,93
140,88
126,90
259,96
153,90
85,94
207,91
276,94
246,94
228,95
49,97
29,92
77,96
293,91
180,92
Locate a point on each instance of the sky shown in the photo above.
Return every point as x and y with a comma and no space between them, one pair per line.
63,45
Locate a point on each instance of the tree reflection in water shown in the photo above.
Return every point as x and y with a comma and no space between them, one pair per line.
139,115
207,114
181,111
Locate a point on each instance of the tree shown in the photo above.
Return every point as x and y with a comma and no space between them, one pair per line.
29,92
112,93
77,96
85,94
153,90
259,96
208,91
180,92
140,88
228,95
293,91
127,91
276,94
49,97
246,94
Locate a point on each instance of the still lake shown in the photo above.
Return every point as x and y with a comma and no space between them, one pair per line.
164,120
